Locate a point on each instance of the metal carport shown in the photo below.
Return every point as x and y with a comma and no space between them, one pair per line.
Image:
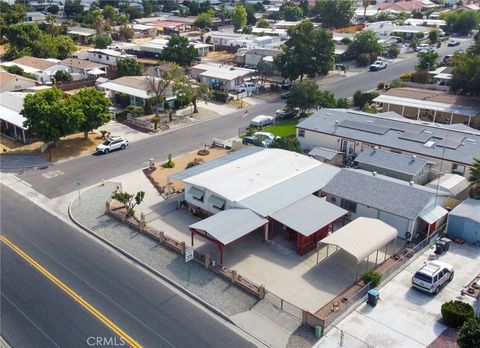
227,226
361,237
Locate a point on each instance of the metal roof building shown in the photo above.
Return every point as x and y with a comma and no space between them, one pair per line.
464,221
389,130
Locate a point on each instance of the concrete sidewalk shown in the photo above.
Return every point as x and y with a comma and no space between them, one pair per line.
241,307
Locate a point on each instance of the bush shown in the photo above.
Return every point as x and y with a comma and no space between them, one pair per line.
421,76
121,116
274,87
346,40
195,162
168,164
122,99
397,83
343,103
62,75
148,108
406,76
220,96
393,51
420,35
360,98
371,277
381,86
469,334
364,59
455,313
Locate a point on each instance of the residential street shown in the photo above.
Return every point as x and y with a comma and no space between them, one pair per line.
36,312
63,177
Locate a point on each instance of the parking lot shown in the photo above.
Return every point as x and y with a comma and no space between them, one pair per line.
405,317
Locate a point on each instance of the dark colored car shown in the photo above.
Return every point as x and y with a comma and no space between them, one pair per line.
285,95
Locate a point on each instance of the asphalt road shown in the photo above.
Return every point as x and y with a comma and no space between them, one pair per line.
63,177
36,313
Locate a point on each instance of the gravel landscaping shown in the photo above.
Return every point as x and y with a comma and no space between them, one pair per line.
89,211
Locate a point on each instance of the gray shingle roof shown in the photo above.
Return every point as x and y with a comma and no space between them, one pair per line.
392,161
381,192
396,132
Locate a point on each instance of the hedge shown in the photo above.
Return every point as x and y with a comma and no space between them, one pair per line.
469,334
371,277
455,313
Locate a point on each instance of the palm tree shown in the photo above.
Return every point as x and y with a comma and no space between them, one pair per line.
474,177
366,3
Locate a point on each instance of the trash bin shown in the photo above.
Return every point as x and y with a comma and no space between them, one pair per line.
318,331
373,297
439,247
447,243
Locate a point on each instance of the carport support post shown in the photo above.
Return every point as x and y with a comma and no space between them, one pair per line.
366,264
376,259
385,256
328,247
394,246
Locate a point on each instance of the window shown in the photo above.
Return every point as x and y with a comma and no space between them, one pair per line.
196,193
108,58
301,133
458,169
100,56
349,205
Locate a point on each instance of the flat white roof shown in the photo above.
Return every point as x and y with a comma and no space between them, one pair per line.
425,104
361,237
112,86
251,174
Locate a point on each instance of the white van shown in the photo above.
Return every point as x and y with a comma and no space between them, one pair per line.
432,276
247,87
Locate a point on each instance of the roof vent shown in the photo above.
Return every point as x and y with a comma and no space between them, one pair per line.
328,113
414,157
374,173
470,140
411,183
375,147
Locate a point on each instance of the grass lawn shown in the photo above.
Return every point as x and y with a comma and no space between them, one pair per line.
283,129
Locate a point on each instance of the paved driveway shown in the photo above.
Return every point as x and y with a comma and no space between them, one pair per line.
406,317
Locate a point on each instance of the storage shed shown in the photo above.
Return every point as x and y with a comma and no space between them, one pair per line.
464,221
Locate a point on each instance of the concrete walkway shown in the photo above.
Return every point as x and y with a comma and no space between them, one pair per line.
259,318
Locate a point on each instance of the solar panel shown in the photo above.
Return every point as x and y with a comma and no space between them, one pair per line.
419,138
398,125
449,143
366,127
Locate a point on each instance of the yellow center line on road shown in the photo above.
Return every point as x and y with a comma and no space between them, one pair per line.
72,294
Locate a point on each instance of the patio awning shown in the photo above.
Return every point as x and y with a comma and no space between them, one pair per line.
229,225
362,236
308,215
196,193
433,215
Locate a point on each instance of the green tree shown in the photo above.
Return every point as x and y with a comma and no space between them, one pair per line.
109,12
291,12
129,201
64,45
263,23
102,40
160,82
325,99
474,177
469,334
203,20
62,75
461,21
50,116
466,73
21,38
13,14
126,32
180,51
265,69
73,8
251,19
129,67
364,42
287,143
343,103
303,95
194,92
149,6
433,36
94,107
365,4
53,9
239,17
308,51
427,60
334,13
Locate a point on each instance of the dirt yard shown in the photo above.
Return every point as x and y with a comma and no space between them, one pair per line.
70,146
220,57
159,175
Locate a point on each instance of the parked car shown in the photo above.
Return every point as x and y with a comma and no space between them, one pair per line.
263,138
453,42
286,86
422,47
447,60
262,120
432,276
285,95
287,113
247,87
112,143
378,65
426,49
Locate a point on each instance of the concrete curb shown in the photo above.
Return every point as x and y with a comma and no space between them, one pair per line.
162,276
3,343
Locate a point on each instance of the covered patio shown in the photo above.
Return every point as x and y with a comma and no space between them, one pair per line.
227,227
361,238
308,221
